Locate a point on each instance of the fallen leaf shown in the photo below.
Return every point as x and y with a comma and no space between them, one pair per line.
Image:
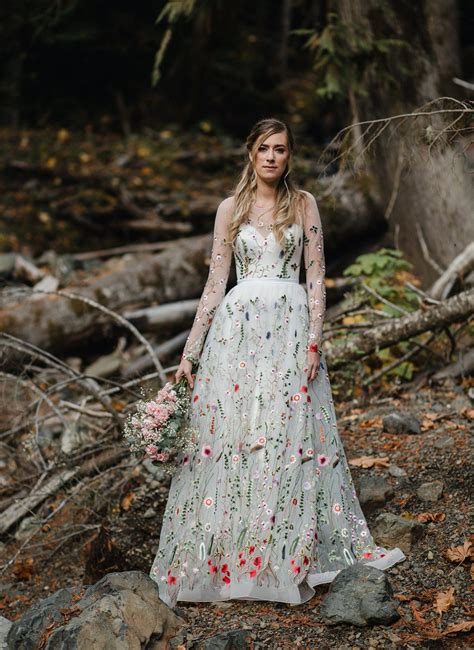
444,600
370,461
459,553
425,517
127,500
462,626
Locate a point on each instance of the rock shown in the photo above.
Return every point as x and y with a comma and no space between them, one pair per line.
27,526
391,531
397,472
398,422
444,442
122,611
5,626
360,595
430,491
229,640
373,492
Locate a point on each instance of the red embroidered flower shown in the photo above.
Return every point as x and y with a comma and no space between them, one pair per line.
296,569
243,561
304,389
236,387
258,561
214,569
195,398
171,580
308,398
226,579
294,501
251,549
306,560
225,568
240,554
367,555
253,573
313,347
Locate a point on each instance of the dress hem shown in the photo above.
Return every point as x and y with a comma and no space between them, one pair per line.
297,594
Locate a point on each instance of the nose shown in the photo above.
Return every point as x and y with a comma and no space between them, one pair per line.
270,156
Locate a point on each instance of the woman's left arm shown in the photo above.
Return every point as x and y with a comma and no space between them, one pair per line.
313,247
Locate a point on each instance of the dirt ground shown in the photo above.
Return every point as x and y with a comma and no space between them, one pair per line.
112,523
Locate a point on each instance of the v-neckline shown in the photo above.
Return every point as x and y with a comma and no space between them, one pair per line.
258,232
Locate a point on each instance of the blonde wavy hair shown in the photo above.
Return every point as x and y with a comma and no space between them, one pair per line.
289,202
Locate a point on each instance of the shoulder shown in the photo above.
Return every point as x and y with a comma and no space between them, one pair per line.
225,209
308,198
227,204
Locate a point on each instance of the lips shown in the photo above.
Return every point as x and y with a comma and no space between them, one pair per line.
268,167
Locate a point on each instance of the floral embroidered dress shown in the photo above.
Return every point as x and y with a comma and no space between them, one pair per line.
266,507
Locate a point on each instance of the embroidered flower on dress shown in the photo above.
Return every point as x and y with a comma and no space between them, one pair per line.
322,460
337,508
208,501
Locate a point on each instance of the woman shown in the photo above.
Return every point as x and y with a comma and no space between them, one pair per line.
265,508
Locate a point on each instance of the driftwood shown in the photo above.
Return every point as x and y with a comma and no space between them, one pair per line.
144,363
459,267
462,367
155,318
57,323
455,309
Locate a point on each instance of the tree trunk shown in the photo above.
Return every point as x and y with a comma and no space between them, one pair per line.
429,196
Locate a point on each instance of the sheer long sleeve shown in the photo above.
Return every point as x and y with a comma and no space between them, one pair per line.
313,247
216,284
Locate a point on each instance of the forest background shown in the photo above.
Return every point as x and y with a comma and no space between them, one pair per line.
121,129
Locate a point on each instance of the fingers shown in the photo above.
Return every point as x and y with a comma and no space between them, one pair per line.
190,379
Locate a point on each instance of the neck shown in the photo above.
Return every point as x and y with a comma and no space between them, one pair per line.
266,193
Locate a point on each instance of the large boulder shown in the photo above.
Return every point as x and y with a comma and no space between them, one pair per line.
122,611
360,595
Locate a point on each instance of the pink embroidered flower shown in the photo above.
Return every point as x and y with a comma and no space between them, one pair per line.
242,364
309,452
337,508
208,501
296,397
262,440
322,460
292,459
206,451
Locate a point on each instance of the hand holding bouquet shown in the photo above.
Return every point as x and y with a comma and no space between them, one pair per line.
160,426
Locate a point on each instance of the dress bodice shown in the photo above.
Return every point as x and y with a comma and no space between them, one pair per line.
260,256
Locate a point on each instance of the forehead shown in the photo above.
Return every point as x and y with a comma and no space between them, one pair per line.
275,139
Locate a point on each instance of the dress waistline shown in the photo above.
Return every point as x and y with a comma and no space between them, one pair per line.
268,280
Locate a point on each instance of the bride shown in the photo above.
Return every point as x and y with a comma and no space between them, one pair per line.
265,508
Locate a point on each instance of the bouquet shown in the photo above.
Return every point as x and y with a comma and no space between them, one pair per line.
160,426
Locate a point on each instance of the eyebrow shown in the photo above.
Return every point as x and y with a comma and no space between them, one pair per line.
275,145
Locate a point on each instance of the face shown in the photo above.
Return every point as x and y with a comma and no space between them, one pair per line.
272,157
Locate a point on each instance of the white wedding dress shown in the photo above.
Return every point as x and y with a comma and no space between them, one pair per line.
266,507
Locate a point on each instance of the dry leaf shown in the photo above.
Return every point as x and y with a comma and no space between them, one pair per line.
462,626
127,500
369,461
425,517
459,553
444,600
472,572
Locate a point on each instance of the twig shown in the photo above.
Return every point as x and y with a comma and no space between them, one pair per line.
382,299
425,251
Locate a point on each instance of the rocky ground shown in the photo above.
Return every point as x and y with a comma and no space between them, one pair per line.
414,479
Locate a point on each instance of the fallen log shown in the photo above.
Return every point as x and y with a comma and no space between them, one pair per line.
455,309
57,324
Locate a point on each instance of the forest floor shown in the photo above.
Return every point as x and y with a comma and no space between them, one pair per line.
120,532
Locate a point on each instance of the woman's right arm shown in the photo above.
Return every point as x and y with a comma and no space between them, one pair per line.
216,284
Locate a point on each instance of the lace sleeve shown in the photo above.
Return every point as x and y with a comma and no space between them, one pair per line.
215,287
313,247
